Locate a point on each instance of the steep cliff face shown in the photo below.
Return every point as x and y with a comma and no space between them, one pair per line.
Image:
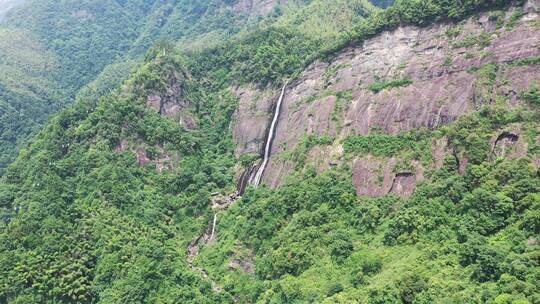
401,80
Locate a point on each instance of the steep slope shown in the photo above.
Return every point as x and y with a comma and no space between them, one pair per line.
453,108
82,38
132,199
127,226
405,79
27,91
97,44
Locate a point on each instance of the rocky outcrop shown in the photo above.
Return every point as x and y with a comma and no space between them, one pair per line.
172,103
162,159
251,119
142,157
443,66
377,177
246,266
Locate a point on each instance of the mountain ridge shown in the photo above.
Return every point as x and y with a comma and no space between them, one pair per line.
105,204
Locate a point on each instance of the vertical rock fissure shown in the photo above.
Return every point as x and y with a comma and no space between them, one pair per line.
257,179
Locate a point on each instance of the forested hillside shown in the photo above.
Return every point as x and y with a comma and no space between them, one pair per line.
135,192
52,49
93,45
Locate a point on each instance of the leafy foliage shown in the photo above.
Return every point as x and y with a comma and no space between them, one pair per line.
458,238
378,86
532,96
53,49
381,145
103,227
88,215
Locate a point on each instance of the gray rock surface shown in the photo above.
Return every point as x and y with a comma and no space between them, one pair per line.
445,85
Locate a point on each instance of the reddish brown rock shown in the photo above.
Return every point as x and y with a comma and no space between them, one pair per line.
142,157
509,143
245,266
122,145
444,87
252,119
171,102
163,160
404,184
439,150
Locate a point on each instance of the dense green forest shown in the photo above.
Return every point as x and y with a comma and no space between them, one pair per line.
52,49
93,45
83,220
458,239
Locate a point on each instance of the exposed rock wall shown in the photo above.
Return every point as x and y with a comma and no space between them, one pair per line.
172,103
509,143
252,119
336,99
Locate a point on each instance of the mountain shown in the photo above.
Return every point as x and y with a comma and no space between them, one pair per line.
75,41
397,149
83,39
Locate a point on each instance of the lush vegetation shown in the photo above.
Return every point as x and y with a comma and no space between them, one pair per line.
83,38
532,96
88,214
468,237
102,227
272,51
26,90
381,144
51,49
94,45
378,86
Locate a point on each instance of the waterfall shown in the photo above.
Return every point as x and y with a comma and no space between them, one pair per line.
270,138
213,227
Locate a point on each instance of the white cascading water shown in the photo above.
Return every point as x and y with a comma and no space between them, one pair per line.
257,180
213,227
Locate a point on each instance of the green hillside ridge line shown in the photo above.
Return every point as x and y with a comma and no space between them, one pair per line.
84,220
96,45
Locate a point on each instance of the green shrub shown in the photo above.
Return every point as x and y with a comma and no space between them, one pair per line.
384,85
378,145
532,96
410,285
514,18
482,41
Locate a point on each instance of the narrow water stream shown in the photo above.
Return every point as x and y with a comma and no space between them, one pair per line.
209,233
213,227
270,137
